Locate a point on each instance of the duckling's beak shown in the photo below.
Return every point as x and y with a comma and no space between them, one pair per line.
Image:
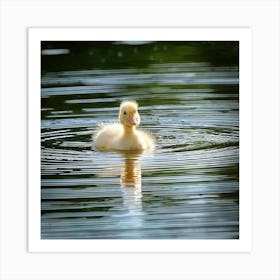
132,120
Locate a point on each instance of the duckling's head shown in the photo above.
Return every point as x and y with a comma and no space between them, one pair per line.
129,115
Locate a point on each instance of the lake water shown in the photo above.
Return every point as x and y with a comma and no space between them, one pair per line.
188,95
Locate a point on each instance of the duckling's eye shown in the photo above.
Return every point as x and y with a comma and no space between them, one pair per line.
124,112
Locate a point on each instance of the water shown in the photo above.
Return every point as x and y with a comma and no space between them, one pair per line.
188,96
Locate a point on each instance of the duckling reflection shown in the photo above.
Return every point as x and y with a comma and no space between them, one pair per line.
131,183
127,166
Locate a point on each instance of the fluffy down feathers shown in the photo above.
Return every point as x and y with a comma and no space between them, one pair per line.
123,135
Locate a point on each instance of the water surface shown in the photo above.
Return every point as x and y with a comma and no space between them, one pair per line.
188,96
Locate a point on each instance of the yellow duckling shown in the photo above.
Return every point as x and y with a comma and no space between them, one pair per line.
123,135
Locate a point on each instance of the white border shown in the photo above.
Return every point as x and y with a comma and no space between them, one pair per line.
243,35
262,16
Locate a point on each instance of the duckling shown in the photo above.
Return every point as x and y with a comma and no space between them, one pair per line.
123,136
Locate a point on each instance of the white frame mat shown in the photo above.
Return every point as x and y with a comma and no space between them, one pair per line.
243,35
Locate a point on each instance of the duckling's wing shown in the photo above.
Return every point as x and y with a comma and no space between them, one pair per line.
148,138
106,135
